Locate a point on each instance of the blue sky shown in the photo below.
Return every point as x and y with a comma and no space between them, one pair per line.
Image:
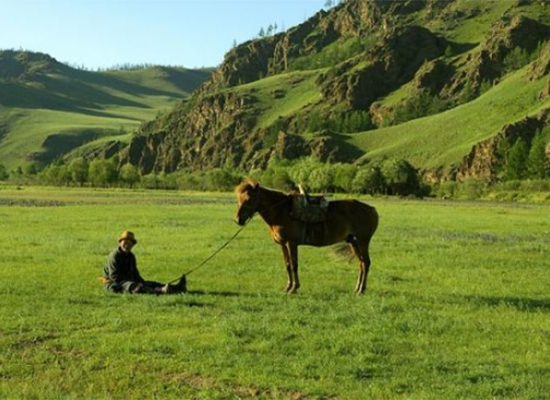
104,33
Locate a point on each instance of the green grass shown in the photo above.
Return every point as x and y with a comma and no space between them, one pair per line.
445,138
457,305
473,29
299,90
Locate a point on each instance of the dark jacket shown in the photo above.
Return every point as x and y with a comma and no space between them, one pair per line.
121,268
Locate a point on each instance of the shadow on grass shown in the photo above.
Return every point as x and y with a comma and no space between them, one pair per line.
520,303
222,293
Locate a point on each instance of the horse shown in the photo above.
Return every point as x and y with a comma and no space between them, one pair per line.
348,221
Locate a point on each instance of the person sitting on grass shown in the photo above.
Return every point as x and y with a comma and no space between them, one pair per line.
121,275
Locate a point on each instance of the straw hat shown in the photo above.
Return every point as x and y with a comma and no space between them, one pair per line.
127,235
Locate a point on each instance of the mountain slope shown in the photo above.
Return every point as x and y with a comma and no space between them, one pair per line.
48,109
431,81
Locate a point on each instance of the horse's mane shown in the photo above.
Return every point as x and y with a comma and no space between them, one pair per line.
252,184
245,184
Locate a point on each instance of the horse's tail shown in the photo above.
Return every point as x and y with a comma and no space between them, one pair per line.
342,252
374,221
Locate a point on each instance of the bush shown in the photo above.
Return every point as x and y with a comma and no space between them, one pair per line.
535,185
472,188
369,180
278,178
343,177
3,173
221,180
300,171
446,189
401,177
188,181
321,179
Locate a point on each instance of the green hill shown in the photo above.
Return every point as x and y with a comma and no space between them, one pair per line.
439,83
48,109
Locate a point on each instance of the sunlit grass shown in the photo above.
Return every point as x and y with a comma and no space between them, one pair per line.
456,306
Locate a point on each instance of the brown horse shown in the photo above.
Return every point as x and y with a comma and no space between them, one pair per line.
347,221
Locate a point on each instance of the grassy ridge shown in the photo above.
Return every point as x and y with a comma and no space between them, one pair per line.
83,107
444,139
456,306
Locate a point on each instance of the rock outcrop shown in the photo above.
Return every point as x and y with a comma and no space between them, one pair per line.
387,67
488,63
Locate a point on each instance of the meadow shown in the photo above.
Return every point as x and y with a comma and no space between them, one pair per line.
456,307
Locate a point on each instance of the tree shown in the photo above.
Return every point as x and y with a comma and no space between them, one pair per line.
78,170
30,169
221,179
343,177
102,172
56,174
129,174
369,180
516,59
3,173
401,177
322,179
537,162
516,160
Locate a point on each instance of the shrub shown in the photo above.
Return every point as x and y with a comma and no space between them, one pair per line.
221,179
446,189
516,160
3,173
343,177
78,169
473,188
401,177
535,185
278,178
369,180
321,179
129,174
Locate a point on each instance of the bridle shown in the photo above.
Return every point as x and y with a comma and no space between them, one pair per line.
253,208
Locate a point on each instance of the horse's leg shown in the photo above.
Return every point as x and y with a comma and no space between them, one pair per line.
355,250
361,251
288,266
293,250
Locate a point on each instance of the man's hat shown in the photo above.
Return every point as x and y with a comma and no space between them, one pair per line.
127,235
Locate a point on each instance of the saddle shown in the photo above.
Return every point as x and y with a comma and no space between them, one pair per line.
308,208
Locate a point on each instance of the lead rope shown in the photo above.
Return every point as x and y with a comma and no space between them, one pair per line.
221,248
212,255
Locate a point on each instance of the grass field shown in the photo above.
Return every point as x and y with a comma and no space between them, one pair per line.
457,305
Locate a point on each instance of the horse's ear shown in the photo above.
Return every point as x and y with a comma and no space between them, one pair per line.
254,184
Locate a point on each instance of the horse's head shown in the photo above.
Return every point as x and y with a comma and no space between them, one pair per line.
247,200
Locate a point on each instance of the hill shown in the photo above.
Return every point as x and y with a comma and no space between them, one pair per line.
49,110
443,84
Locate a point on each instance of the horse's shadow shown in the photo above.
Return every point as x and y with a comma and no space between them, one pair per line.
226,294
525,304
213,293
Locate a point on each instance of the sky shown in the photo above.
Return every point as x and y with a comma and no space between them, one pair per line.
105,33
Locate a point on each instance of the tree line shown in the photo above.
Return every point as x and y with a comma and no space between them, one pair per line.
394,177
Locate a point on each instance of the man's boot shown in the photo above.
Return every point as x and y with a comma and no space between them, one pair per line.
181,286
